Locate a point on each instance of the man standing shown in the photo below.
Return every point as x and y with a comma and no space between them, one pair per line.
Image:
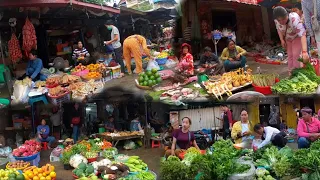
187,34
115,42
211,62
227,121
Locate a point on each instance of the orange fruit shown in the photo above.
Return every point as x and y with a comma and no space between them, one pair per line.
48,178
42,178
53,174
40,174
36,178
30,175
40,170
26,177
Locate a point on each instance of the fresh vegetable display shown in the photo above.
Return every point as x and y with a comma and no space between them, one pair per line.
147,175
114,171
136,164
29,148
264,80
109,153
90,155
263,174
84,170
149,78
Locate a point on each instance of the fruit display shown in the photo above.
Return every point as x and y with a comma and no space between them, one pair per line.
57,91
25,82
228,82
162,55
149,78
79,68
9,174
136,164
29,148
53,81
96,67
17,165
93,75
114,171
67,79
84,170
46,172
40,84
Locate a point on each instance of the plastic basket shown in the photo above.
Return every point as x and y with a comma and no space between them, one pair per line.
27,158
57,100
116,157
264,90
134,173
22,168
217,36
162,61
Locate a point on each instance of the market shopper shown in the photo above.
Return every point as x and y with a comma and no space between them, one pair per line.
309,14
241,130
109,125
183,139
211,62
227,121
270,135
80,54
134,45
233,56
292,35
43,131
135,124
34,68
116,45
308,128
75,122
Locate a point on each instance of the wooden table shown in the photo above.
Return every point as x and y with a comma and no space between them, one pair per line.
115,139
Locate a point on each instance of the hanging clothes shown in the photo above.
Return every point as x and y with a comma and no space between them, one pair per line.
29,37
14,49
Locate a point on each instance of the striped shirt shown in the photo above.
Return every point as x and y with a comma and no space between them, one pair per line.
78,52
307,8
187,34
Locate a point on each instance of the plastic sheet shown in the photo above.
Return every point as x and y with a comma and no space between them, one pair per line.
249,175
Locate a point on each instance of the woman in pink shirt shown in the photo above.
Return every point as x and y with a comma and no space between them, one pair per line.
308,128
292,35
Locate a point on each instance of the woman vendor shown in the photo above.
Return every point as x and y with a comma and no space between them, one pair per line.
133,45
233,56
308,128
292,35
183,139
241,129
34,68
80,54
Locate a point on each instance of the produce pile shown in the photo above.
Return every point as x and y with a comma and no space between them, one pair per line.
17,165
29,148
162,55
136,164
122,134
149,78
302,81
264,80
7,174
46,172
84,170
228,82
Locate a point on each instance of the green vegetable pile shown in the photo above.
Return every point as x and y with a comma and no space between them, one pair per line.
136,164
264,80
147,175
263,174
110,152
303,80
84,170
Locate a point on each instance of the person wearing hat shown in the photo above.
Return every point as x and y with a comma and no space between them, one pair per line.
185,65
211,62
134,45
308,128
116,45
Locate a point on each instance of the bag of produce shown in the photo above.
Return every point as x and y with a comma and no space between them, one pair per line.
153,65
129,145
248,175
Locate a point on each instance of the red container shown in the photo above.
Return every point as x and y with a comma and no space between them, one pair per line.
264,90
90,160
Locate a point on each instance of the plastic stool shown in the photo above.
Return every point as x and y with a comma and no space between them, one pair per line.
44,146
155,143
37,99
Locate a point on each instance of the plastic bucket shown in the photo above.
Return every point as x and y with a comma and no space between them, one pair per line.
264,90
4,101
102,130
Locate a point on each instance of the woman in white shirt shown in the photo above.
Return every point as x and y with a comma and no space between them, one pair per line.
270,135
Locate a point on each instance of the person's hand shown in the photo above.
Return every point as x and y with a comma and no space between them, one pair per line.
283,44
71,125
238,56
230,59
107,42
305,57
313,42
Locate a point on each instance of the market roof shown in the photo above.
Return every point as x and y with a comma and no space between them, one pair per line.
59,3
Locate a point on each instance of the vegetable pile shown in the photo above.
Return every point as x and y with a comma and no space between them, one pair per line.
84,170
264,80
149,78
136,164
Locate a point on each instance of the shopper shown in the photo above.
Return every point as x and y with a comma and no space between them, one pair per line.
270,135
308,128
116,45
109,125
309,14
75,122
183,139
241,129
43,132
292,35
211,62
227,121
233,56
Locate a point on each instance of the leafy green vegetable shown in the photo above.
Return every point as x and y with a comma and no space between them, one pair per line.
308,70
173,158
174,170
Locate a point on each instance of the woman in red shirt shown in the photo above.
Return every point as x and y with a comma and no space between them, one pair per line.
182,139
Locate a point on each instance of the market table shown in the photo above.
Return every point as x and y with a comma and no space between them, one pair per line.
115,139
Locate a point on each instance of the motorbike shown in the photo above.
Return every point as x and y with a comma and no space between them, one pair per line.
202,140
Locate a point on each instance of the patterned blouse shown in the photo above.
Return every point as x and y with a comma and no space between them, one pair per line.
186,64
293,29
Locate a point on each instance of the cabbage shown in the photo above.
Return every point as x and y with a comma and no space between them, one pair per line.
76,159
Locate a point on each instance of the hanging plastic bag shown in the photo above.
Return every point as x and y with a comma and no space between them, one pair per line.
153,65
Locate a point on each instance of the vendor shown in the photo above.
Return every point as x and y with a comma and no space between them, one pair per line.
133,45
80,52
109,125
292,35
227,121
233,56
135,124
43,131
34,68
241,129
270,135
308,129
183,139
211,62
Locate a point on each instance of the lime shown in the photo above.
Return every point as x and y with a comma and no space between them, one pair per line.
141,79
146,78
154,70
154,82
145,83
149,73
150,83
157,75
152,78
20,177
12,175
158,79
142,74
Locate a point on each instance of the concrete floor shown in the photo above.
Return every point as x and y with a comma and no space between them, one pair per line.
149,156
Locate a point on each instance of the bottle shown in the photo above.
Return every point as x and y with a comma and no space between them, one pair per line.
258,70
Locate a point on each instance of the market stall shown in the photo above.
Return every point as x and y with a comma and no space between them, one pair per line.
120,136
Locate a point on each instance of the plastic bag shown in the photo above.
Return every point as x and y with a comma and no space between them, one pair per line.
76,159
20,94
249,175
170,63
153,65
129,145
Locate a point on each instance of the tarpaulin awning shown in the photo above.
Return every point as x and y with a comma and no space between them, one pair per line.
251,2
